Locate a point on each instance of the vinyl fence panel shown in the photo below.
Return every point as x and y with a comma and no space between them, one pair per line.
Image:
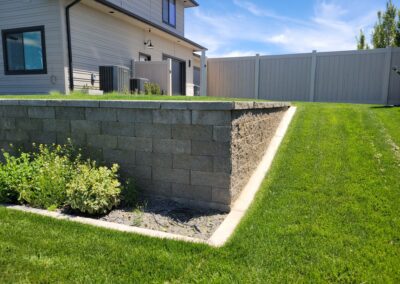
344,76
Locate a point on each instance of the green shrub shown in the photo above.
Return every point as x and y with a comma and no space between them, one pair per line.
53,168
152,89
15,176
56,176
94,190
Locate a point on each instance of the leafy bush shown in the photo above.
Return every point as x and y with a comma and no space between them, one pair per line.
53,167
15,176
94,190
56,176
152,89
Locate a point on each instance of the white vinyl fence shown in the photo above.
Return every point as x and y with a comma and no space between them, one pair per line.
157,72
345,76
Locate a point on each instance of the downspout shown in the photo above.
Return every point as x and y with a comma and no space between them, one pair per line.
69,42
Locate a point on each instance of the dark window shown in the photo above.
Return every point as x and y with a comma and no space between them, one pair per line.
144,57
24,51
169,12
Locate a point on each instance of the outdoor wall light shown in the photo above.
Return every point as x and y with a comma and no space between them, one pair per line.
149,44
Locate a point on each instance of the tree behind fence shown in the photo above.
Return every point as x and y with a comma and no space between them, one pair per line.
345,76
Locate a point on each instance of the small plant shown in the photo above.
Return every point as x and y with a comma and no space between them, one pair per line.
55,176
94,190
152,89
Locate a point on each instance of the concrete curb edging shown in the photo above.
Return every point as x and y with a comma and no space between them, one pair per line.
228,226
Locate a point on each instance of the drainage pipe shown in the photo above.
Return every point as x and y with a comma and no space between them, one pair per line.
69,43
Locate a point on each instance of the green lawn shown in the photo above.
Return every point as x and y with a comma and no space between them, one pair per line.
118,96
328,212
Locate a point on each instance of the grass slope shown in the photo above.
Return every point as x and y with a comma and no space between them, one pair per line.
328,212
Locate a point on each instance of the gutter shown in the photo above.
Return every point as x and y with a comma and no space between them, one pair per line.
143,20
69,42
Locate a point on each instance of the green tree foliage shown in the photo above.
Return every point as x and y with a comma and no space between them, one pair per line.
386,31
361,41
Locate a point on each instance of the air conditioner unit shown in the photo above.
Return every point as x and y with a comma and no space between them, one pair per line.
137,85
114,79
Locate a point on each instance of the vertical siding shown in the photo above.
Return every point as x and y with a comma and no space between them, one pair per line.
285,78
103,39
231,77
18,14
152,10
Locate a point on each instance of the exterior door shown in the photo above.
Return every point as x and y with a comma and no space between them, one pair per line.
178,75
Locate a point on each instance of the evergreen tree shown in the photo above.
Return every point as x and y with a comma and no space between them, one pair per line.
361,41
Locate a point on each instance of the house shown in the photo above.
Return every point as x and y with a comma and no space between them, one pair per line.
59,45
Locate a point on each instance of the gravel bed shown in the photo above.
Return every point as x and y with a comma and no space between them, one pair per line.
169,216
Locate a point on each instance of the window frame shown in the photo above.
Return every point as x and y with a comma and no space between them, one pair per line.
168,22
6,32
141,54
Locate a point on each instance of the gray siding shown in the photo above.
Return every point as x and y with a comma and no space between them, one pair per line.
103,39
18,14
152,11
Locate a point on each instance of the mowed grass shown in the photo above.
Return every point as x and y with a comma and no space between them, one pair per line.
118,97
327,212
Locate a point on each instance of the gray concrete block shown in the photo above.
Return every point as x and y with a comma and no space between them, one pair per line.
102,141
77,139
194,192
16,136
129,104
40,137
135,115
172,146
222,165
101,114
154,188
7,123
206,148
222,133
221,195
153,159
135,144
192,132
171,175
189,162
41,112
149,130
117,128
210,179
85,126
70,113
138,173
32,103
211,106
73,103
29,124
211,117
172,116
14,111
121,157
175,105
56,125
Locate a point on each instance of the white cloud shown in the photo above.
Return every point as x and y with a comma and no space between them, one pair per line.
259,30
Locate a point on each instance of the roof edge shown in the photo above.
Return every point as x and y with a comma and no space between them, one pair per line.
154,25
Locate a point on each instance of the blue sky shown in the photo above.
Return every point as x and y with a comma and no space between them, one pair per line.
247,27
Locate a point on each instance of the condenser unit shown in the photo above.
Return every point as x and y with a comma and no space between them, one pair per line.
114,79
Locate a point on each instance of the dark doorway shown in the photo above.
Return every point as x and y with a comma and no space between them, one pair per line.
178,75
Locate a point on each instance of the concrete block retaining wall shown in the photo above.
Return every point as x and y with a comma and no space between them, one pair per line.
200,153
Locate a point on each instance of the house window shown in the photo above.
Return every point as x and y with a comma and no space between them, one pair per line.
24,51
144,57
169,12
